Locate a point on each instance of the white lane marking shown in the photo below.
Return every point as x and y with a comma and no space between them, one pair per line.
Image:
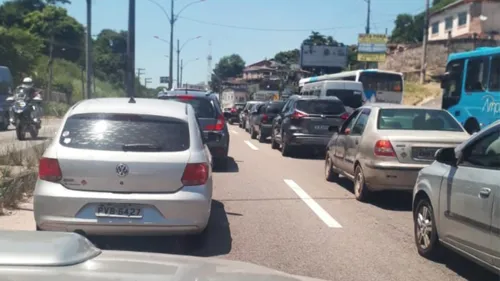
315,207
251,145
234,132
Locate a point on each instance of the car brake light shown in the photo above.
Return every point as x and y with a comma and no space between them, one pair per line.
233,110
264,118
218,126
185,97
49,170
298,114
384,148
195,174
344,116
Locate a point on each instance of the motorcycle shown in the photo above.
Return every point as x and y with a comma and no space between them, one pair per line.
24,117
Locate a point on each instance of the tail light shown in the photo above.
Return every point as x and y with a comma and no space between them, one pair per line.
298,114
384,148
265,118
344,116
233,110
185,97
195,174
49,170
218,126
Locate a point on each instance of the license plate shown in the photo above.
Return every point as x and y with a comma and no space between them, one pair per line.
321,127
426,153
119,211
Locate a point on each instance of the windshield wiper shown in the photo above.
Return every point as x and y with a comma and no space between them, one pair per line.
140,147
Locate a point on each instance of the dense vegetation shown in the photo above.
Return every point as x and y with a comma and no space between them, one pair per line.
39,35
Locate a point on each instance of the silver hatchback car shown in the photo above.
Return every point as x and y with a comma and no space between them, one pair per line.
126,167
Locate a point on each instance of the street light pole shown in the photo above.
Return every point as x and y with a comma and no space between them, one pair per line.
171,63
88,51
178,52
182,69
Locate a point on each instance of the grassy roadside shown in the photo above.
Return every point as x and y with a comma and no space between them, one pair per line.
415,92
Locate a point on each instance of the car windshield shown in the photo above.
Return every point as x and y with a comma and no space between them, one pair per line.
115,132
417,119
203,107
350,98
379,81
327,107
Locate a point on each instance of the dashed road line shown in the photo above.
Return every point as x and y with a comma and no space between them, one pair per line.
315,207
251,145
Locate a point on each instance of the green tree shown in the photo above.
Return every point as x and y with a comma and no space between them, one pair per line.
319,39
12,13
19,50
288,57
227,67
110,60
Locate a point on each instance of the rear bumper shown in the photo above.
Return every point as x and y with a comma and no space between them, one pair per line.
309,140
388,176
266,130
186,211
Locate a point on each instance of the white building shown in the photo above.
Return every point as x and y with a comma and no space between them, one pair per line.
463,18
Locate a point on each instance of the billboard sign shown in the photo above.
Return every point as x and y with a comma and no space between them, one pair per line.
323,56
372,47
163,79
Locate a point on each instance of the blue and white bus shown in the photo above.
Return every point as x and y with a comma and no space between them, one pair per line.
379,85
471,87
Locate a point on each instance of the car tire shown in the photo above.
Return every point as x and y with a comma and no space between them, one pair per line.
220,163
361,191
285,149
230,122
330,174
253,134
261,138
425,224
246,127
274,144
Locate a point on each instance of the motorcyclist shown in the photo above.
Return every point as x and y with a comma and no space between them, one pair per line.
27,88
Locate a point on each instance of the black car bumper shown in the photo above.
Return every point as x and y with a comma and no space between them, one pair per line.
309,140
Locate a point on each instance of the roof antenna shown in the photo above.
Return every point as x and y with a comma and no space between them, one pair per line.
131,100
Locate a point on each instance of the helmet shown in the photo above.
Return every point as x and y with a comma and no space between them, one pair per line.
27,80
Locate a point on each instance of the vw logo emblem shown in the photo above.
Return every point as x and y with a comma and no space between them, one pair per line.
122,170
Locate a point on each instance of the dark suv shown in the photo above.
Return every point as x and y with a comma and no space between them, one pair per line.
261,119
211,119
307,121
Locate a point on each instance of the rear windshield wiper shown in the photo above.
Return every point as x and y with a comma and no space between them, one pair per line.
140,147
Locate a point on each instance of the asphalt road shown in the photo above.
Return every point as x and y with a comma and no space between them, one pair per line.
8,139
280,212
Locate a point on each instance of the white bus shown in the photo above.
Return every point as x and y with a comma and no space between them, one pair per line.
378,85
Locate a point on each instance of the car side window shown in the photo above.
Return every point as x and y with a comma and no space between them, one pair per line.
286,106
359,126
350,121
485,153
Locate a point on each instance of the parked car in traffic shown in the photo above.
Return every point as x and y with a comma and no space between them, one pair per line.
120,166
456,201
245,113
233,114
384,146
211,119
261,119
307,122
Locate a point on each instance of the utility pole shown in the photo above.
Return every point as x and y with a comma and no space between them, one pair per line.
171,55
147,81
88,50
367,30
182,69
131,49
178,54
140,71
424,43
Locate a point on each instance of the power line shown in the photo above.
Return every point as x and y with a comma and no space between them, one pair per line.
275,29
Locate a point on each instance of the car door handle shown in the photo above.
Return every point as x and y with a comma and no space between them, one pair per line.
484,192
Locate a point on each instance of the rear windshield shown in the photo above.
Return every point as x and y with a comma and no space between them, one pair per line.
327,107
125,132
350,98
379,81
275,108
203,107
417,119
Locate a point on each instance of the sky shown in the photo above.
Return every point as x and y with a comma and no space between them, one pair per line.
254,29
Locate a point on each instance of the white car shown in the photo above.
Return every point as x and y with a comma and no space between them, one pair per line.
126,167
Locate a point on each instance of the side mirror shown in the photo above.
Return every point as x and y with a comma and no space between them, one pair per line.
211,137
444,80
446,156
